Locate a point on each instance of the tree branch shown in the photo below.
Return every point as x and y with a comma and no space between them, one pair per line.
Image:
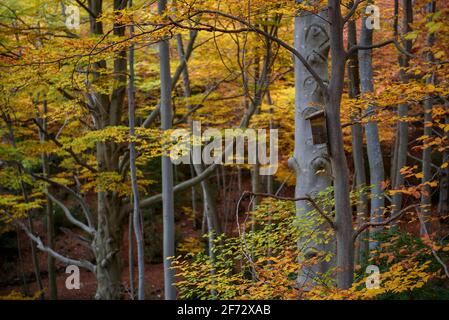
306,198
352,11
252,28
69,215
355,48
365,226
69,150
82,203
39,244
93,15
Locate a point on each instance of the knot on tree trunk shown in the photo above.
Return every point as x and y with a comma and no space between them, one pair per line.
294,165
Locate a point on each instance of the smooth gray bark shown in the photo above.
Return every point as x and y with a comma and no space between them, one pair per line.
340,170
209,203
133,173
311,161
131,255
376,165
362,244
167,167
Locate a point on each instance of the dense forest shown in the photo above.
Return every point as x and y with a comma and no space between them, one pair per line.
224,149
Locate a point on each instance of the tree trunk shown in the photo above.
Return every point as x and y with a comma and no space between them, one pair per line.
401,145
376,166
167,168
340,171
310,161
443,204
133,172
362,245
107,246
111,219
34,257
131,255
53,290
426,209
210,207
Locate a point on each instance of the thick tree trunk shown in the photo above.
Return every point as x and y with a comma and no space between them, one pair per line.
108,244
311,161
110,227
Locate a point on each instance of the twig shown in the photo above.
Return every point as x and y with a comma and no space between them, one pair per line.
424,228
365,226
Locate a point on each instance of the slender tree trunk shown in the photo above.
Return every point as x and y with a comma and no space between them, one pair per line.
443,201
49,214
210,207
340,171
269,178
131,255
376,166
426,208
362,244
133,171
25,287
167,168
34,257
400,153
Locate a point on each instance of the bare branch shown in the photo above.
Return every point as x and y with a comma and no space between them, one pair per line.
352,11
39,244
93,15
365,226
355,48
69,150
306,198
426,232
252,28
78,198
69,215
